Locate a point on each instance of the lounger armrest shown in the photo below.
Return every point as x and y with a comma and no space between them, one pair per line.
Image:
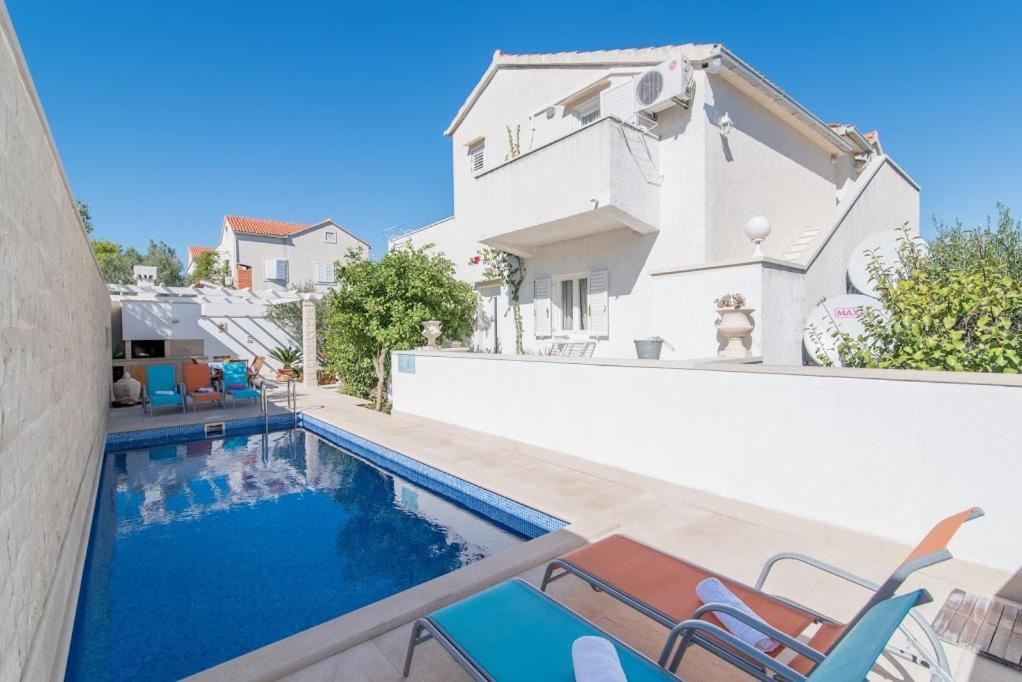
182,389
700,631
761,626
815,563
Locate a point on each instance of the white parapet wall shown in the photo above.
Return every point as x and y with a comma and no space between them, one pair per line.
882,452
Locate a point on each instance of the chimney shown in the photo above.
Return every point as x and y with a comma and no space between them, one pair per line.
145,275
243,277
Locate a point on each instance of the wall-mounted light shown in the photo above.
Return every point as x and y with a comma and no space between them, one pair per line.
725,124
222,326
757,229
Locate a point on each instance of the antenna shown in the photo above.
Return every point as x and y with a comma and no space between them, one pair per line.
886,246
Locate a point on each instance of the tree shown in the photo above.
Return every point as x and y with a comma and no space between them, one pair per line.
168,265
958,307
115,263
84,215
379,306
208,267
510,270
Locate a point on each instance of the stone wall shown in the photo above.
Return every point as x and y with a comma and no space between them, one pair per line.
54,380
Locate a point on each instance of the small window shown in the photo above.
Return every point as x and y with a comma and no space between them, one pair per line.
276,269
588,111
573,304
475,155
330,237
325,273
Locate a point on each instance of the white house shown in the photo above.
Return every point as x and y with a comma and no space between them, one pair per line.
270,254
624,178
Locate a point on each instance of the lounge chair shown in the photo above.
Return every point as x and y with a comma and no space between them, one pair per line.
236,382
257,366
161,390
662,587
197,377
513,632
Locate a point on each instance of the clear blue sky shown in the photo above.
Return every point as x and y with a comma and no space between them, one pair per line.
170,114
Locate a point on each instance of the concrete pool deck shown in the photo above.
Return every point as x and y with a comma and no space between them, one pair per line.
726,535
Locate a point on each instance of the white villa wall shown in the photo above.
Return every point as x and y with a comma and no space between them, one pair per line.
54,380
881,452
765,166
248,333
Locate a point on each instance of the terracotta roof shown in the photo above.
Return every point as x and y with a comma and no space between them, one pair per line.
264,228
194,251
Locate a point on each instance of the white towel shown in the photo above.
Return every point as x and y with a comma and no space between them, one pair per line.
164,392
204,389
712,591
595,660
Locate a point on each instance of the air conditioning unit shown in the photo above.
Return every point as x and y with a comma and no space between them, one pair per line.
663,86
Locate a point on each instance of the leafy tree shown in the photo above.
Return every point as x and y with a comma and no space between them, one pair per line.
379,306
958,307
168,265
115,263
209,268
84,215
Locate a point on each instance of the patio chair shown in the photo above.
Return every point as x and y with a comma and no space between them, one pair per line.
197,377
236,382
662,587
513,632
257,366
161,390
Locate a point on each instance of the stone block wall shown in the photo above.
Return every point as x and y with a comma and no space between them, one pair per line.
54,378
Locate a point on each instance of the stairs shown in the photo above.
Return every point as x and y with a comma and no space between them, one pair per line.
805,240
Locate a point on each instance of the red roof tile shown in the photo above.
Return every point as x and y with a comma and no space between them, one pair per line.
264,228
194,251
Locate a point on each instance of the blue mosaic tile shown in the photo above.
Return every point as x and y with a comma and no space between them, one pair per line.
518,517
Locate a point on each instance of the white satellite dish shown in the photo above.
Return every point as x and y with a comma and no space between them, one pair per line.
841,313
887,245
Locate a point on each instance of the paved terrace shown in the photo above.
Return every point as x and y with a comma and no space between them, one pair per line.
725,535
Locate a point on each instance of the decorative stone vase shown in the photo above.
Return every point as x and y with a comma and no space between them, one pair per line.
431,332
127,389
734,325
285,373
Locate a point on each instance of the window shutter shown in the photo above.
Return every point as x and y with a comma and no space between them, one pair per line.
276,269
325,273
599,306
541,306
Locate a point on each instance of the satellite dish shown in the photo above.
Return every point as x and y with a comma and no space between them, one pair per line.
841,313
887,246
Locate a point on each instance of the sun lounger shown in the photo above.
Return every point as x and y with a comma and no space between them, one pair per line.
199,387
161,389
236,382
512,632
662,587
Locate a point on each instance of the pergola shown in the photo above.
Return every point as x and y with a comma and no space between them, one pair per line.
215,294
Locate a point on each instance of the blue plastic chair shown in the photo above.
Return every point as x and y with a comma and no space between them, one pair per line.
161,389
236,374
513,631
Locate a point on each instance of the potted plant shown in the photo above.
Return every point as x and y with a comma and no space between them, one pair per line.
287,356
734,325
431,330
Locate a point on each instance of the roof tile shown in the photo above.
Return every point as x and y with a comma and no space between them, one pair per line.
264,228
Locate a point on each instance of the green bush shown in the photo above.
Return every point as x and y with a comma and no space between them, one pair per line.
957,308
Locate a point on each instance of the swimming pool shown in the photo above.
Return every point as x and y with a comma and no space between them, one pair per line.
205,550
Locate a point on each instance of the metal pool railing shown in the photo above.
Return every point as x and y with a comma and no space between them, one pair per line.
292,404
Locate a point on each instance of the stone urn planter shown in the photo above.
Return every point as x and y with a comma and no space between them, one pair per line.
127,389
431,332
735,324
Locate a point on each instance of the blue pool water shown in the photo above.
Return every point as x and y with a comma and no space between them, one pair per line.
205,550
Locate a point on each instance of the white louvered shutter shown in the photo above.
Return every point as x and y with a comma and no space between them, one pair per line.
599,305
324,273
276,269
541,306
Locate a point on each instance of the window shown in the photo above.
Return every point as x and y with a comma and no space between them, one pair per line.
588,111
325,273
475,155
573,304
276,269
330,237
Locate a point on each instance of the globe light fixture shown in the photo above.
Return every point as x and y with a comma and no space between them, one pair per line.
757,229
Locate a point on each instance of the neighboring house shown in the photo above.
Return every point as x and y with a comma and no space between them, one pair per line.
270,254
634,175
193,253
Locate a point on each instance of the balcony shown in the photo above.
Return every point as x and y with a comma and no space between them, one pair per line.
599,178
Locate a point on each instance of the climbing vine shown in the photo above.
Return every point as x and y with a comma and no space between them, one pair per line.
509,269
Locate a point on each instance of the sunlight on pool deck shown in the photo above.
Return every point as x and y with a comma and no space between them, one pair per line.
725,535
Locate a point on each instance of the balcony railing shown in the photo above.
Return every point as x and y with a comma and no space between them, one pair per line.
602,177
